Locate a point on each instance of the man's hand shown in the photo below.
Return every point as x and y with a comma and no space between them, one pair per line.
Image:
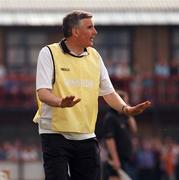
135,110
68,101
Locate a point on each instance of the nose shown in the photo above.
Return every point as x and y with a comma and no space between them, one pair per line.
95,31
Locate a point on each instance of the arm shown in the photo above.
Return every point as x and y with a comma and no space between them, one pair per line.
47,97
44,78
113,99
111,146
132,125
116,102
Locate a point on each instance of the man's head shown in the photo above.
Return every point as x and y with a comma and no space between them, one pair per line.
79,25
72,20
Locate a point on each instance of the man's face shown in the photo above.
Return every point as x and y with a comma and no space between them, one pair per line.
86,33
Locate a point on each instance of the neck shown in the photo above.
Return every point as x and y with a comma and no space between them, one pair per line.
74,47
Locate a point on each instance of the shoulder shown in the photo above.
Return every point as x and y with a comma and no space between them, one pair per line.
53,45
44,50
44,56
47,50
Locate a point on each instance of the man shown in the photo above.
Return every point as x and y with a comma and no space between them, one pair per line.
70,76
118,130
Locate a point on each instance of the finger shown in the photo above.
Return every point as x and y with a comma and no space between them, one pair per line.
77,100
69,98
147,103
69,102
144,105
65,101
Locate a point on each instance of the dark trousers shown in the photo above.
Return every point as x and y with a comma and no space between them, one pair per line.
70,159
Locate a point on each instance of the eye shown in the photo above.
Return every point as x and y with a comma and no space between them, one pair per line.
90,27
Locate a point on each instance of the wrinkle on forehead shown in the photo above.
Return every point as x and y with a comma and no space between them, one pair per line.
86,21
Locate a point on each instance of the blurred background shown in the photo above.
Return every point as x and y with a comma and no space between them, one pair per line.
139,43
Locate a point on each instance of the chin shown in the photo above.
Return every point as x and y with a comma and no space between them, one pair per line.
91,44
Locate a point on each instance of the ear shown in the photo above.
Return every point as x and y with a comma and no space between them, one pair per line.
75,31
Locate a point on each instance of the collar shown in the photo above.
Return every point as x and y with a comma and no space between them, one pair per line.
65,50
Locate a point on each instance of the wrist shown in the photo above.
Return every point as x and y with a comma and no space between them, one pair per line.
58,102
124,109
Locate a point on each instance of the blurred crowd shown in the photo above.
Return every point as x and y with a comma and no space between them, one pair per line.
18,89
19,151
152,159
161,68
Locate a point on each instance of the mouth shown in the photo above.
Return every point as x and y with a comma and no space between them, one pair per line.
92,39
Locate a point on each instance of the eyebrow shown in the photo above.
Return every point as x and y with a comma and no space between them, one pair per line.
90,26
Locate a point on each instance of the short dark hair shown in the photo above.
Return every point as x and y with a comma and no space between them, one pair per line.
72,19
